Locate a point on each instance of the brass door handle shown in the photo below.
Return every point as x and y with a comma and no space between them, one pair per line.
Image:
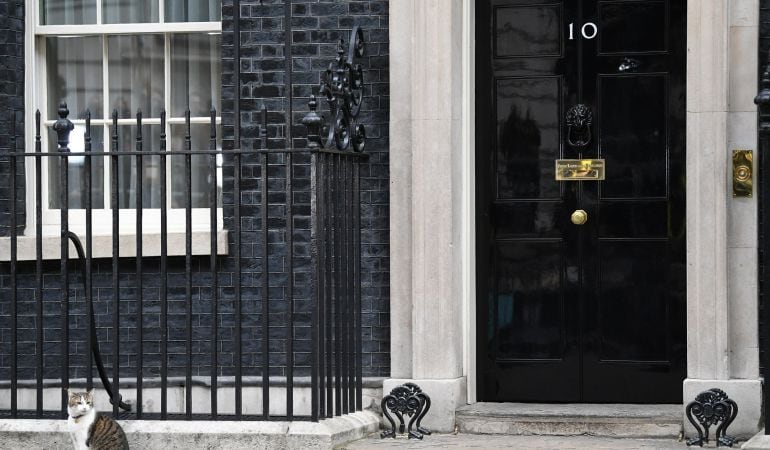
579,217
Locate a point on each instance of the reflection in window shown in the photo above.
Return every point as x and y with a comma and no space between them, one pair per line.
130,11
76,174
74,69
151,72
193,10
67,12
200,179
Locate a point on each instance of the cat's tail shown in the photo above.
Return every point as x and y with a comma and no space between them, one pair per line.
94,338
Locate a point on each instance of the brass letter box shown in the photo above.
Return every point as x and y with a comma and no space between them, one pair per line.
579,169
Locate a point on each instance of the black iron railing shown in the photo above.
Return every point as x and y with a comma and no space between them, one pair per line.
763,102
277,311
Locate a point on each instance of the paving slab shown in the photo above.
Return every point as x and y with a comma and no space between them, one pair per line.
759,442
475,441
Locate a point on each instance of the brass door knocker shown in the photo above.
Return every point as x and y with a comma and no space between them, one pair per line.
579,119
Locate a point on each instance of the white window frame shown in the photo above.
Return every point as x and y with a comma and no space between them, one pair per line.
36,98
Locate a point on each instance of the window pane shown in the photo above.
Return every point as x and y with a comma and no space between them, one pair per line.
136,74
67,12
74,75
150,167
193,10
76,172
196,73
130,11
200,180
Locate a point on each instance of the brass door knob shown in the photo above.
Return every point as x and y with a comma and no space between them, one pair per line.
579,217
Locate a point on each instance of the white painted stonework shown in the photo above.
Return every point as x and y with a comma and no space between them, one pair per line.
432,265
428,223
722,335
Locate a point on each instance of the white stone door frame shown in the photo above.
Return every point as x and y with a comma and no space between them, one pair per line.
432,240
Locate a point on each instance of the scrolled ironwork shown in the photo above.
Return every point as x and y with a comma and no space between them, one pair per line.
343,86
406,400
712,407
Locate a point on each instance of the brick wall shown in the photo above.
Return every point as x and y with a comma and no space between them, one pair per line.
11,103
316,28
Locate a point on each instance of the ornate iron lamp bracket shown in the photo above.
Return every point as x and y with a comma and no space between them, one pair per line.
712,407
343,86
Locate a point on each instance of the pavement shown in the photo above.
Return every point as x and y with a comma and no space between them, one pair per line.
478,441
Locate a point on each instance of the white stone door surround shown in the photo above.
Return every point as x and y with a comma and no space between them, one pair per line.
432,238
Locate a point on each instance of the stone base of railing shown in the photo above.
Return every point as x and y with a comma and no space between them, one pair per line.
171,435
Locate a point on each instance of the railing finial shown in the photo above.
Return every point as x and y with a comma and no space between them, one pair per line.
313,122
63,126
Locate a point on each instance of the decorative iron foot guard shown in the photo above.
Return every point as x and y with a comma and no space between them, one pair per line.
712,407
406,400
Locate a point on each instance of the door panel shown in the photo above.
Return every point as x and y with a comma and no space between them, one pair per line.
629,27
580,312
637,219
528,143
528,219
529,268
633,137
634,273
630,315
529,313
527,30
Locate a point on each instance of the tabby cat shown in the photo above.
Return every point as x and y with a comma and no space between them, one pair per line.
91,430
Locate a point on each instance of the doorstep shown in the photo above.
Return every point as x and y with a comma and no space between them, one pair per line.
498,441
610,420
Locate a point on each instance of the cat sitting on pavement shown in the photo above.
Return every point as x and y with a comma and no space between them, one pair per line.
91,430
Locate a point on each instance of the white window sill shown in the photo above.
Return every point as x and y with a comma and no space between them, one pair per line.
102,245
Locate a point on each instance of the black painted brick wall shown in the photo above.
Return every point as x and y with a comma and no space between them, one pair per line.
11,104
317,26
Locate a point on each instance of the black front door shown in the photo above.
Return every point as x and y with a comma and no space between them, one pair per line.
571,312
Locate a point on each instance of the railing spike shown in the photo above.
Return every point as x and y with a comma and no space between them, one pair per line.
87,135
213,130
139,125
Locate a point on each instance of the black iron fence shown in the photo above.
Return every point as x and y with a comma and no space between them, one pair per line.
762,100
268,327
327,326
